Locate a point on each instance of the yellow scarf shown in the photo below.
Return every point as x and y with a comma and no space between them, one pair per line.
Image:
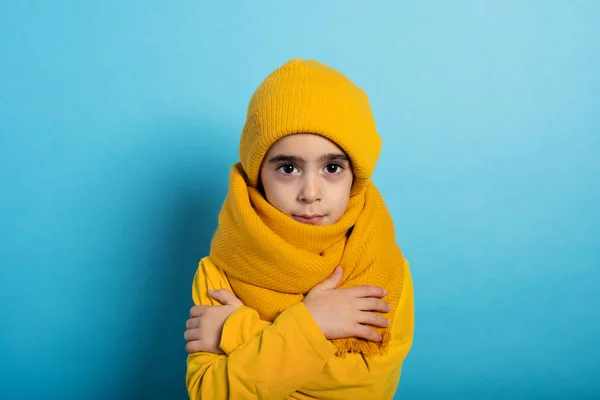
272,261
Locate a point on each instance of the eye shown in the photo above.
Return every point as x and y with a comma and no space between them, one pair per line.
333,168
287,169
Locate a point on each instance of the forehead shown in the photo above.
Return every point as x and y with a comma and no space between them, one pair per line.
307,144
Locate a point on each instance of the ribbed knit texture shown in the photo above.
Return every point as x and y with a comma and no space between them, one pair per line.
272,260
305,96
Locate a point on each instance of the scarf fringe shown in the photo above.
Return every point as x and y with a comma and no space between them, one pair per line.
367,348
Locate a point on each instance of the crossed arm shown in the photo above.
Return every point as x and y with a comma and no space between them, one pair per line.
234,354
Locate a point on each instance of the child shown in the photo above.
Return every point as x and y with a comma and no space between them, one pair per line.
275,316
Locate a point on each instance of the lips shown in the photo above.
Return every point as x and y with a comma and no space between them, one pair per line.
309,219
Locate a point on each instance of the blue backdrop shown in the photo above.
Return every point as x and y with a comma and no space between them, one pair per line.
119,122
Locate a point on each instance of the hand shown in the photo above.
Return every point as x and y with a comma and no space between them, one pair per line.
205,326
342,313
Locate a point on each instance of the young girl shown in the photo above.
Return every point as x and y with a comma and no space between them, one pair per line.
275,316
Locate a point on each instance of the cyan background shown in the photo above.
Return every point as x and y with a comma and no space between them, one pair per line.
119,121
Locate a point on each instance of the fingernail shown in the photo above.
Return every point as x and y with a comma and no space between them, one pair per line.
384,292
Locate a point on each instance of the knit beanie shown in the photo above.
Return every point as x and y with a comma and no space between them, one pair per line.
306,96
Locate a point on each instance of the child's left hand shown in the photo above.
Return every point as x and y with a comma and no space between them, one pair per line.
205,326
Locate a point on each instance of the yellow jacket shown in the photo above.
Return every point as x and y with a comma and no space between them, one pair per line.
291,358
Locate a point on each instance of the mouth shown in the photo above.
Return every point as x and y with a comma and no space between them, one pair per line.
309,219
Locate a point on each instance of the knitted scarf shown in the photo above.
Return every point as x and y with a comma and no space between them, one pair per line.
273,261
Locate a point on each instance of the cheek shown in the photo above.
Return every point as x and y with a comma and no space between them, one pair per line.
343,203
277,193
344,194
346,186
341,198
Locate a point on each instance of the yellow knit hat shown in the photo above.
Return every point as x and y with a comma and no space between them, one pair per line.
306,96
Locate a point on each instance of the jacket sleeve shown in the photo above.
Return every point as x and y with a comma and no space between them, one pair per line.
245,324
263,360
266,360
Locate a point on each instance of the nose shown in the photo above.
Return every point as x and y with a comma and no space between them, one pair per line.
311,191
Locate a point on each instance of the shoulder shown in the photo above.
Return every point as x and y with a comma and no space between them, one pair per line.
208,277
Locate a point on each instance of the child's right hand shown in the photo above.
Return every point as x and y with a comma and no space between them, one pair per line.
342,313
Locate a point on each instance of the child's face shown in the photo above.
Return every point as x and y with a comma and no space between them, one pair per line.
308,178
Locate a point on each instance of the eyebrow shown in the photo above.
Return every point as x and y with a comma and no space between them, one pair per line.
299,160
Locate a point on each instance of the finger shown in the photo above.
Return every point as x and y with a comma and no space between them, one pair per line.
196,311
225,297
193,346
373,319
331,281
193,323
191,335
364,332
373,304
366,291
